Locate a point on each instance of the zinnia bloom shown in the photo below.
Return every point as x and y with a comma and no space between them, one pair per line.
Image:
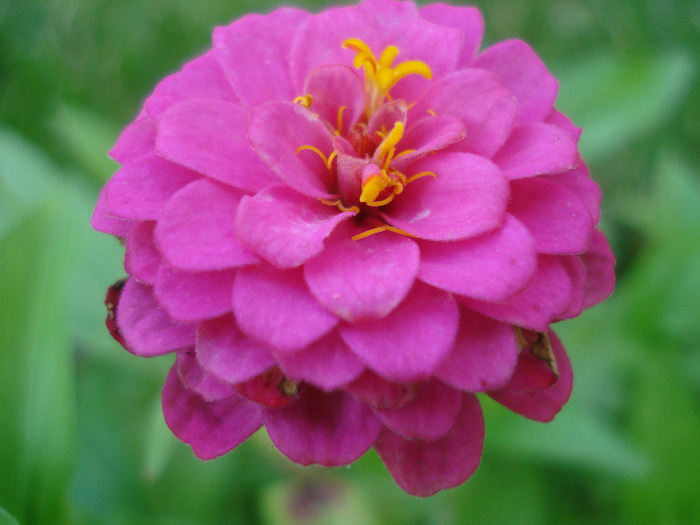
345,225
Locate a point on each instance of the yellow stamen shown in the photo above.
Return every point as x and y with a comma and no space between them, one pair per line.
305,101
382,229
391,139
404,152
339,130
377,204
431,112
338,204
419,175
372,188
315,150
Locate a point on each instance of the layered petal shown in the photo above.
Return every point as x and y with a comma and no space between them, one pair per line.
254,54
468,197
541,404
599,261
211,137
146,328
484,355
194,378
284,226
142,259
332,88
523,73
103,222
137,139
327,363
210,428
196,230
422,467
410,342
371,388
429,415
194,296
465,19
276,308
362,279
330,429
227,353
492,267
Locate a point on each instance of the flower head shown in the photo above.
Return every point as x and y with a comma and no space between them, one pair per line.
347,224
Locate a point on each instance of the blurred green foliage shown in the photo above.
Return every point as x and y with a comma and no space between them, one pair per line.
82,438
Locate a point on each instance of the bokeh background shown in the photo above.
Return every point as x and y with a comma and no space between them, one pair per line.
82,439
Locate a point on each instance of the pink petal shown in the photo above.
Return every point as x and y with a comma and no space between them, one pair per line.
211,429
370,388
196,229
210,137
103,222
427,136
599,261
536,149
277,131
330,429
225,352
579,182
466,19
468,197
365,278
524,74
327,363
487,110
410,342
142,259
333,87
147,329
202,78
483,357
562,121
137,139
285,227
276,308
254,54
190,296
386,14
430,415
423,468
140,190
541,405
555,217
547,296
576,271
493,266
194,378
531,372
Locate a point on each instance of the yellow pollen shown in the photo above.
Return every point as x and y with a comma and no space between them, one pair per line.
372,188
328,161
305,101
381,75
419,175
380,229
339,204
340,120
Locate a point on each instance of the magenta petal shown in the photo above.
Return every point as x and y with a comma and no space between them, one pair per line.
211,429
141,189
362,279
410,342
468,197
370,388
254,54
543,404
277,131
430,415
103,222
487,110
530,373
327,363
555,217
536,149
190,296
196,229
483,357
147,329
211,137
332,87
579,182
562,121
546,297
429,135
330,429
276,308
142,259
423,468
225,352
465,19
137,139
200,79
576,271
285,227
493,266
523,73
600,270
194,378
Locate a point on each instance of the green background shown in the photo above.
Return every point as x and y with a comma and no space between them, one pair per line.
82,438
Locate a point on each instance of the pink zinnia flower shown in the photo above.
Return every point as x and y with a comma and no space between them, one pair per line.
347,224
